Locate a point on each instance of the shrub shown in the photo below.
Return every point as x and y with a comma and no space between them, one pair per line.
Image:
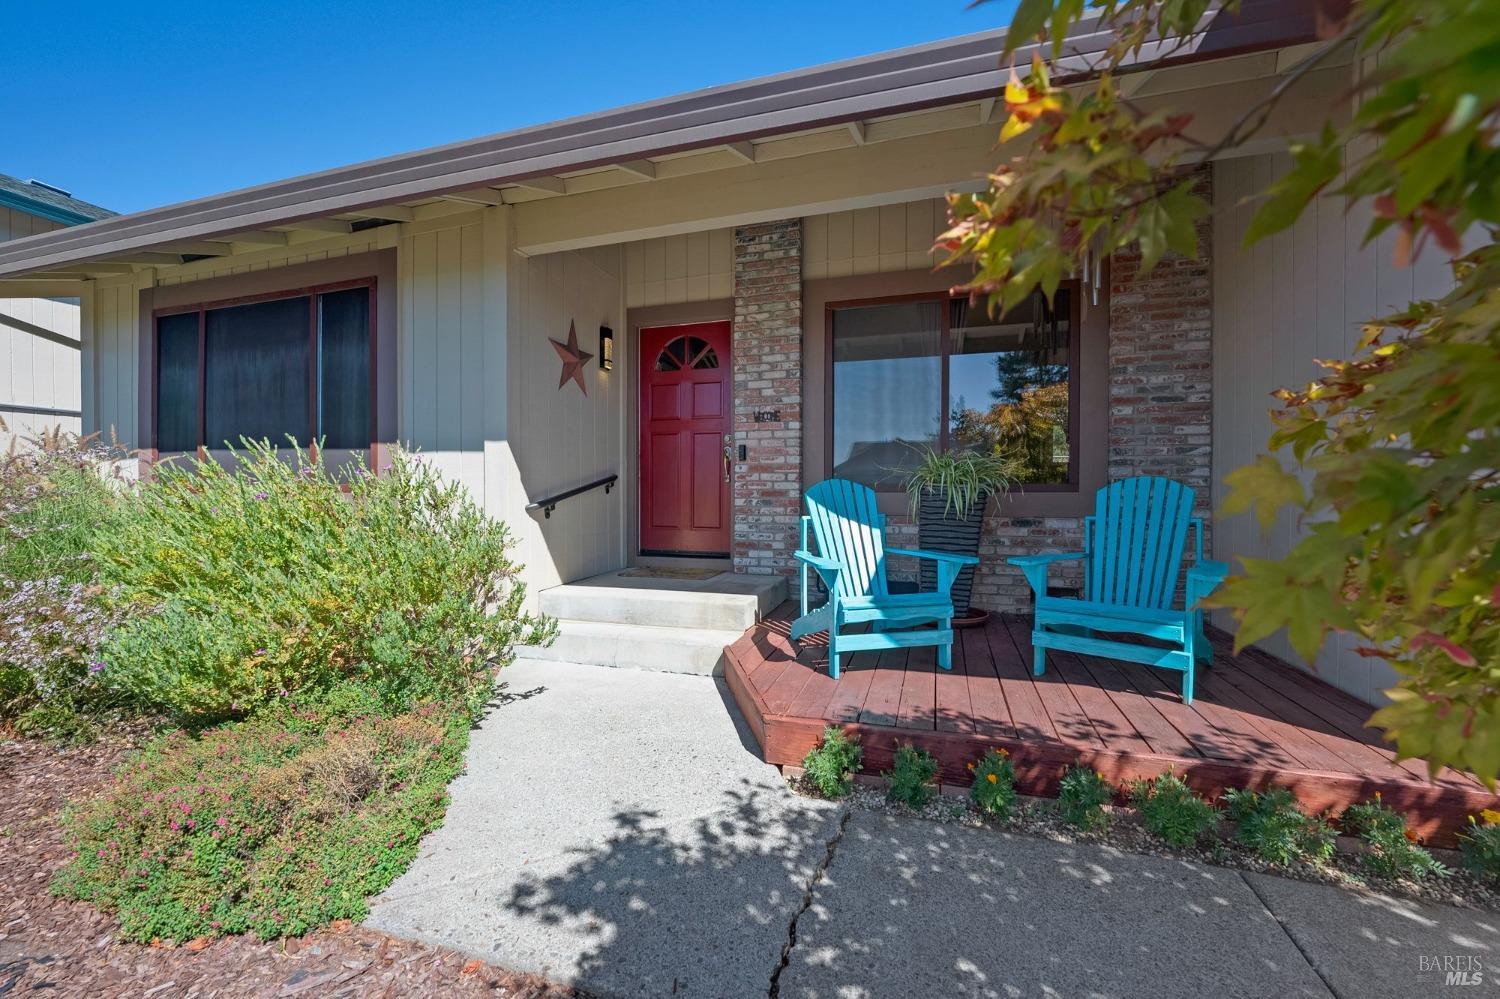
271,826
912,776
1274,827
832,764
54,500
994,787
269,581
1480,846
1171,810
1391,849
1081,798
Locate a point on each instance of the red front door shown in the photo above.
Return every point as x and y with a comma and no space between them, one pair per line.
685,439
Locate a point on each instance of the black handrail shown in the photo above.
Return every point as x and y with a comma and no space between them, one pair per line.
550,503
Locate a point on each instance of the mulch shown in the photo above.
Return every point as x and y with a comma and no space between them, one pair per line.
69,949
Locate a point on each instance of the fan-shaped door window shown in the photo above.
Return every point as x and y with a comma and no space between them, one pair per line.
686,352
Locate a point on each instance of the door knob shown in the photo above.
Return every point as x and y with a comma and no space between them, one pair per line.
727,460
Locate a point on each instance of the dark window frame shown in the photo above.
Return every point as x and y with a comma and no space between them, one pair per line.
945,343
311,293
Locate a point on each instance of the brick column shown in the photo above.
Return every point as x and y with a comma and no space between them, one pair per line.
767,380
1161,364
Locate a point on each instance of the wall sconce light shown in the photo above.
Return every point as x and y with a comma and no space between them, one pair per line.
606,348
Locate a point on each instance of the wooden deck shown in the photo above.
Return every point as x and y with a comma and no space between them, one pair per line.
1255,721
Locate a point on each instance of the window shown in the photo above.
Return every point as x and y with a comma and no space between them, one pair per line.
296,365
933,372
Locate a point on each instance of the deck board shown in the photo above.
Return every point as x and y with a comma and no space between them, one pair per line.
1255,721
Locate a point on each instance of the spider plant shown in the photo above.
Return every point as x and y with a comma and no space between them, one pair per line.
965,477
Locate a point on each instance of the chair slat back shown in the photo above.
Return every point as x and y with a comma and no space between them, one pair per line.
1140,525
849,530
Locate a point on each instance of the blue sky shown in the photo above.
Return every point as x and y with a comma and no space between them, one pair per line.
134,106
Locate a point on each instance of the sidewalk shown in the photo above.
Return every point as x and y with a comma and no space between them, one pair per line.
615,830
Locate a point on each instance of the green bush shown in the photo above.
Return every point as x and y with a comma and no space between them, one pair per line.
1274,827
1081,798
1480,846
994,787
1391,849
54,501
912,777
271,826
1171,810
832,764
270,581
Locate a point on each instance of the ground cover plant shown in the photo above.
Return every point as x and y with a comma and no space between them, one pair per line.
912,777
1081,797
832,764
1480,846
1171,811
272,825
1272,825
1390,848
994,789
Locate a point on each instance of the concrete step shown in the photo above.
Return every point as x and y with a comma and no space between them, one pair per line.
636,646
727,602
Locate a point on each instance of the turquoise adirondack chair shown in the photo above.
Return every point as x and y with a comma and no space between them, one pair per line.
850,560
1132,562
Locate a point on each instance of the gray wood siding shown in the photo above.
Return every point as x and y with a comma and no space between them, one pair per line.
35,371
1279,304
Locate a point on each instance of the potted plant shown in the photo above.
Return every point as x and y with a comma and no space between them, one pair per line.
949,492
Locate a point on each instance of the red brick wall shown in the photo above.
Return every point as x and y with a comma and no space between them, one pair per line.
767,378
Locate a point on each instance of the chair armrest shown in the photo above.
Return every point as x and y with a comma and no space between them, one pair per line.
1022,561
818,562
1208,574
1035,567
935,556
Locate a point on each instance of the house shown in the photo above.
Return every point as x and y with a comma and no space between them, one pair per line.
39,343
636,336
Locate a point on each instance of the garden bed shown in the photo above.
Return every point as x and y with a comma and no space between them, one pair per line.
1039,817
71,949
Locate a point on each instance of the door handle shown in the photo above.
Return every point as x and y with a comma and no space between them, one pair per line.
727,460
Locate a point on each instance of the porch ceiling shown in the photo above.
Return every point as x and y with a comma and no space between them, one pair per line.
945,86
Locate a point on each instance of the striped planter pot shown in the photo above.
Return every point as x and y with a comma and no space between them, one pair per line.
940,531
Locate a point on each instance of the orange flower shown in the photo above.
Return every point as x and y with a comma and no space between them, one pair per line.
1490,816
991,778
1410,834
971,766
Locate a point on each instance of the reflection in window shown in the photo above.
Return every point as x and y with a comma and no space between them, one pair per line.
1006,392
1008,386
887,389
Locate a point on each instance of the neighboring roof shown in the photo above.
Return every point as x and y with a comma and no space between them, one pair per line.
922,76
48,202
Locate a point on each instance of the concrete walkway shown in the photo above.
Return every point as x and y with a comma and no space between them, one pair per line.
616,830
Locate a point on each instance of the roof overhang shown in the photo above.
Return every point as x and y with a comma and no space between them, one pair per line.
733,117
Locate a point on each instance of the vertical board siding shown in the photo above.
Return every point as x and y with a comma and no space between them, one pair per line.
696,267
879,240
1299,295
36,371
561,438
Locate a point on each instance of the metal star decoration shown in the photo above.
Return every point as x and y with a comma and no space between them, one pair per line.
573,359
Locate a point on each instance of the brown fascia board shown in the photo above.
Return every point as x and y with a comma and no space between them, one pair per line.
923,76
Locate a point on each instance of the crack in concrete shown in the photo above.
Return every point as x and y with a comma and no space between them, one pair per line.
807,898
1266,907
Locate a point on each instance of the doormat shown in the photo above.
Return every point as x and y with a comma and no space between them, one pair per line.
665,572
